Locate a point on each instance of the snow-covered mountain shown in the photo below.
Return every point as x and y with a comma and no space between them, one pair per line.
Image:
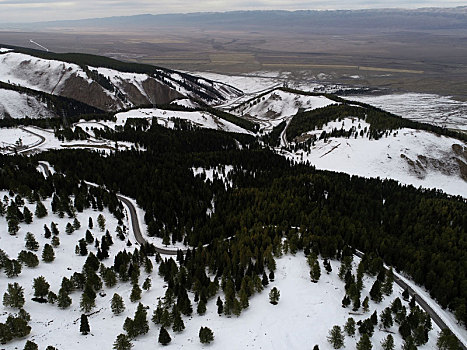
14,104
413,157
105,88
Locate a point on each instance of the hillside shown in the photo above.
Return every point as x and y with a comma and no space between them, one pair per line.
104,87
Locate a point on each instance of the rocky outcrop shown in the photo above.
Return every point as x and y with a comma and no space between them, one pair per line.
92,94
159,93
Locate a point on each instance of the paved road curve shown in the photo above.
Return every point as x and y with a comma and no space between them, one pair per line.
137,230
134,218
424,305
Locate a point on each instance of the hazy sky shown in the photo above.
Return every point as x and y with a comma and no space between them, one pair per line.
48,10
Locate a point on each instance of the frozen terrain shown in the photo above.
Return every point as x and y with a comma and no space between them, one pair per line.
303,317
166,117
35,140
277,106
37,73
413,157
18,105
427,108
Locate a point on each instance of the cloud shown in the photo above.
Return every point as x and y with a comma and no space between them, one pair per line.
48,10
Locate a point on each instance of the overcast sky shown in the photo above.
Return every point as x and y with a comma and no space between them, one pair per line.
49,10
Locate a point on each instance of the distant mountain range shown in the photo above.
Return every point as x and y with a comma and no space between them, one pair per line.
324,21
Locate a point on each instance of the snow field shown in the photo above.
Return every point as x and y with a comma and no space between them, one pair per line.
426,108
37,73
18,105
51,325
9,137
305,313
382,158
51,142
200,119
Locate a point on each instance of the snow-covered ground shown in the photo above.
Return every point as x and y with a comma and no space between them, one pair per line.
304,315
201,119
12,137
277,106
37,73
390,157
428,108
186,102
3,49
17,105
33,143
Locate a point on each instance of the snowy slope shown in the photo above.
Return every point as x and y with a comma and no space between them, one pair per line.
201,119
18,105
37,73
410,156
428,108
276,106
303,317
13,137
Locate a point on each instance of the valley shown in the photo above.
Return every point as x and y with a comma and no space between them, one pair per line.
192,195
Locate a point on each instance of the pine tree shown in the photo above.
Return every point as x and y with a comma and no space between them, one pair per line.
31,243
110,278
117,305
178,324
274,296
386,318
48,254
30,346
157,314
51,297
90,223
13,226
388,343
375,292
41,287
220,306
76,224
41,211
388,282
147,284
84,325
349,327
364,343
206,335
135,293
27,215
14,296
315,272
336,338
148,266
55,241
140,322
89,237
63,299
122,343
47,232
447,340
201,309
164,337
87,302
54,228
405,294
69,228
101,222
345,301
12,267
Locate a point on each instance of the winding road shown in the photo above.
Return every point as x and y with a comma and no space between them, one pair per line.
133,215
423,304
137,230
164,251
